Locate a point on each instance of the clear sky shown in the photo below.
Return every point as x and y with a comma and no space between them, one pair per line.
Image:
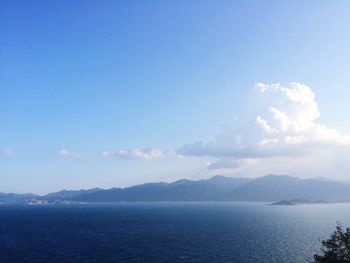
115,93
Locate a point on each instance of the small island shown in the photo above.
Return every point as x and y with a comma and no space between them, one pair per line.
284,202
299,201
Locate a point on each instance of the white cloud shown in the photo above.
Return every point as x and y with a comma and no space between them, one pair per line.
284,124
105,154
264,125
292,115
141,154
230,163
68,154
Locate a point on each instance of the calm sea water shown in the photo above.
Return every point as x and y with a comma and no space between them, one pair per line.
166,232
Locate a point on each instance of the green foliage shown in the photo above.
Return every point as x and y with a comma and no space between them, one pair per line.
336,249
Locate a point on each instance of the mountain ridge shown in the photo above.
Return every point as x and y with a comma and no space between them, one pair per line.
268,188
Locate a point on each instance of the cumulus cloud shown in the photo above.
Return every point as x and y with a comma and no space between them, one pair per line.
68,154
291,115
141,154
285,123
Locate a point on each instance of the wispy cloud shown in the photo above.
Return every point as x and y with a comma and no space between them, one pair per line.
230,163
69,154
8,153
141,154
106,154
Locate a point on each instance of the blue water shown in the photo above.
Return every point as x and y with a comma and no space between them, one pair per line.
166,232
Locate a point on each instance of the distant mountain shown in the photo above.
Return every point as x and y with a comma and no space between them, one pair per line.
217,188
269,188
68,194
275,188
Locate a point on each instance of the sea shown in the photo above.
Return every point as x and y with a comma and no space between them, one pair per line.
167,232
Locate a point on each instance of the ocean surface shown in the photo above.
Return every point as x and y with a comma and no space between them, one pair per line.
167,232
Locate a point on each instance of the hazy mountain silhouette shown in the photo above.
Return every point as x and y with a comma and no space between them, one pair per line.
217,188
220,188
272,188
8,198
269,188
68,194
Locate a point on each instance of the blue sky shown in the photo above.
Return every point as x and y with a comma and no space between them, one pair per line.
108,93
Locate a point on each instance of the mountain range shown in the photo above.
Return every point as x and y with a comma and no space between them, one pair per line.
269,188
